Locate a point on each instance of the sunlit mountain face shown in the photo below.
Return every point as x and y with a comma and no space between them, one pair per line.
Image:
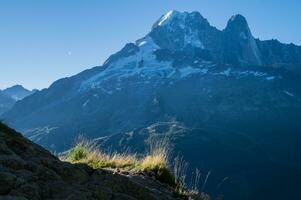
228,102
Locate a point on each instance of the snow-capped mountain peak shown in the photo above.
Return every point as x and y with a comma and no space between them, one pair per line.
181,19
181,44
167,17
178,30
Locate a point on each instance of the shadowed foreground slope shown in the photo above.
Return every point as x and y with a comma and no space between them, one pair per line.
27,171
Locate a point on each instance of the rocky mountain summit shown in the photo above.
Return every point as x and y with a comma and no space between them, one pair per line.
29,172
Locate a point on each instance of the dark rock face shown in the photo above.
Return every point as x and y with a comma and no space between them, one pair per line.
240,48
277,54
28,172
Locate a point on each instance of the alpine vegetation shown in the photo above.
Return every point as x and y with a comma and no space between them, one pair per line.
156,163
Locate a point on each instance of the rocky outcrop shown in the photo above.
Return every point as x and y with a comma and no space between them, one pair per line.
29,172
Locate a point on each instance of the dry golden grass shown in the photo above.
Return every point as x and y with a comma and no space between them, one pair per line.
155,162
88,153
158,154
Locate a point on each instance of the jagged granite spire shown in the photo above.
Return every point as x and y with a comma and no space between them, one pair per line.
240,46
238,24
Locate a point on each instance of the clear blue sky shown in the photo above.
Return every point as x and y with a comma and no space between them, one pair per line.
44,40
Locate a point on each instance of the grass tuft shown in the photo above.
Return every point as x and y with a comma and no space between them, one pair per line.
155,163
79,152
87,152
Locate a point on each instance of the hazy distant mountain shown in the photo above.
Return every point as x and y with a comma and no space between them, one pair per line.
18,92
6,102
9,96
237,97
